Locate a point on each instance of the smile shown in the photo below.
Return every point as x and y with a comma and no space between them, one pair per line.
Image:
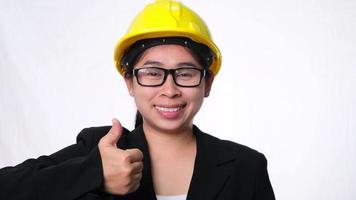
170,111
165,109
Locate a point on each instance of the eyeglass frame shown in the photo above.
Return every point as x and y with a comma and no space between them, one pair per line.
203,73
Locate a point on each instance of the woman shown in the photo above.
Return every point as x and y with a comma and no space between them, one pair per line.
168,61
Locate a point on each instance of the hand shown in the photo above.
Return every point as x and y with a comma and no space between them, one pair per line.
122,168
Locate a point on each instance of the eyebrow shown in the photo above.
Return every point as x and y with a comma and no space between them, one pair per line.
190,64
150,62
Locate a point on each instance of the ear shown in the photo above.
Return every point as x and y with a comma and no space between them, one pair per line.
208,84
129,85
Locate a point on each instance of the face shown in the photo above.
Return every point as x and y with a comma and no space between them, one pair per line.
168,108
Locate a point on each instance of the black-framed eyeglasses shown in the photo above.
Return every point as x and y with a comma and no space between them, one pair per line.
156,76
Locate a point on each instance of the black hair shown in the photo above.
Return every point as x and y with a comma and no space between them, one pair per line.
138,119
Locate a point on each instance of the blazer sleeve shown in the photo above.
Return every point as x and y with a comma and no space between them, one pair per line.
65,175
263,187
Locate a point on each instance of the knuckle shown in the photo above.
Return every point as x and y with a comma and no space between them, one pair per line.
126,183
137,186
141,166
126,157
138,177
138,152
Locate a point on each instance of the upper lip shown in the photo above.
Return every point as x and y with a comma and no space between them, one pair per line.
170,105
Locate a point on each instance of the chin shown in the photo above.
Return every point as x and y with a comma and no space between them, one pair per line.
168,125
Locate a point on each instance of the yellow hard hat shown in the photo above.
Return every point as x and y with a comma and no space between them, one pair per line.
167,18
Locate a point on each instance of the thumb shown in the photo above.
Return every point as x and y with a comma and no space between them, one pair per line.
114,134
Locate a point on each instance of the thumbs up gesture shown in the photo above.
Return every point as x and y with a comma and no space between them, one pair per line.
122,168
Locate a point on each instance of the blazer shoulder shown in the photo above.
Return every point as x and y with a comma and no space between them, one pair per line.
92,135
227,148
239,148
244,152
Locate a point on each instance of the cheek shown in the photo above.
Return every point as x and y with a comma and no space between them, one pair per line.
142,96
196,97
139,91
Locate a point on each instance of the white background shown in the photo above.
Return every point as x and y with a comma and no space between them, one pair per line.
286,87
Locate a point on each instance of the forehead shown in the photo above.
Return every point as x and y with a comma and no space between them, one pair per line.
170,54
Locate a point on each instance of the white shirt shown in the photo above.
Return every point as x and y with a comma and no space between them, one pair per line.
171,197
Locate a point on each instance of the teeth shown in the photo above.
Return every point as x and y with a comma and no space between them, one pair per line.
163,109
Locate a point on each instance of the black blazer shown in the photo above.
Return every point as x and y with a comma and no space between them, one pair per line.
223,170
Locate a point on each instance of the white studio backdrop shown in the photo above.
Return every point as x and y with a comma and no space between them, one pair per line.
286,87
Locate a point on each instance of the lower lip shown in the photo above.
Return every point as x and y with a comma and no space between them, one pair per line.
170,115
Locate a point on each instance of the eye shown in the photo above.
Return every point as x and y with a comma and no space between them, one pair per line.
152,73
187,73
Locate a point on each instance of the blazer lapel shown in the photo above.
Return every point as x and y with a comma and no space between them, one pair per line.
213,167
137,139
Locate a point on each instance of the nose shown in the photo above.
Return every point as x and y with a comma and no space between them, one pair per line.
169,88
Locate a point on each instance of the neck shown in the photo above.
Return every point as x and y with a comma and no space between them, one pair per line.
159,140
